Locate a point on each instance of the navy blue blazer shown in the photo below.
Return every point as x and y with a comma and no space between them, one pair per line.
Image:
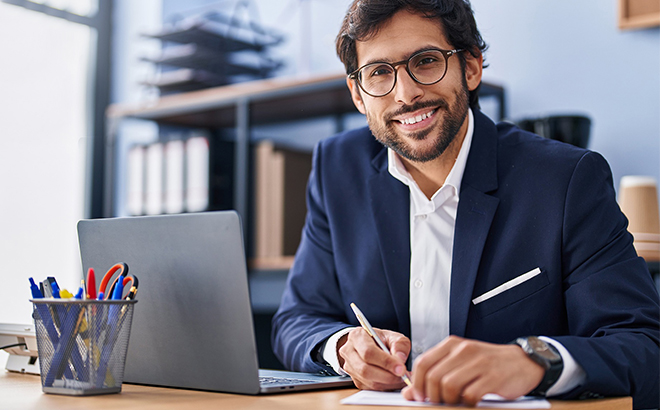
525,202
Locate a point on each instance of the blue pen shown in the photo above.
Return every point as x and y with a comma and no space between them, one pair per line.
56,290
64,348
79,295
100,297
46,318
119,289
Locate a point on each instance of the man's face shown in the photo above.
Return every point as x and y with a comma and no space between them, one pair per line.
394,119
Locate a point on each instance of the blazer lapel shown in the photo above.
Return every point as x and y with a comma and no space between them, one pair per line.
390,203
476,210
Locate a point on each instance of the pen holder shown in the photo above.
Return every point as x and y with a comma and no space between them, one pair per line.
82,344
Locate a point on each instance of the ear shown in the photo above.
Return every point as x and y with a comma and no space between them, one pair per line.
473,70
355,95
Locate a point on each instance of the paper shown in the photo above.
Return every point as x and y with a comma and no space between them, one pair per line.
377,398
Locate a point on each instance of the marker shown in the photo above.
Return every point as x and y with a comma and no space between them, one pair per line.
91,284
370,330
79,295
36,293
65,294
119,289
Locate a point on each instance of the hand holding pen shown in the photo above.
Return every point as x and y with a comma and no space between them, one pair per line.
375,359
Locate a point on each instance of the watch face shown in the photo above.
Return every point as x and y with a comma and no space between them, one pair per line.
542,349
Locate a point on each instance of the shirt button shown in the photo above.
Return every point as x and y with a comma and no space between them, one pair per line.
419,283
422,217
418,349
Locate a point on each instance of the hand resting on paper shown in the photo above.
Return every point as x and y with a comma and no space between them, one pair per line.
369,366
459,370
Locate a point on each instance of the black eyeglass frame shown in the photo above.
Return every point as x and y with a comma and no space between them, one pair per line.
445,53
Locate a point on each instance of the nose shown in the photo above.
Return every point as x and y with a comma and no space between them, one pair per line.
406,90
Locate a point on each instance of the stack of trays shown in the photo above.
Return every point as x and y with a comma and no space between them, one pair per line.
212,50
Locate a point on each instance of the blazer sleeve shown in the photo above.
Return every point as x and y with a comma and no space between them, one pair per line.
311,308
611,300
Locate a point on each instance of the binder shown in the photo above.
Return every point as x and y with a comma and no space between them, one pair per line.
135,180
154,179
174,174
280,183
197,174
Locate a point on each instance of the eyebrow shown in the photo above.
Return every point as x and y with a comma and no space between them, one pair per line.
390,61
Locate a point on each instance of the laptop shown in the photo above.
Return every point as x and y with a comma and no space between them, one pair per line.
192,326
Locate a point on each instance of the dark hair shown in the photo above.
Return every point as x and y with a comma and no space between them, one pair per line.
365,17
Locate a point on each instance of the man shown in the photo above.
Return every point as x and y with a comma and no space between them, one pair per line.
489,259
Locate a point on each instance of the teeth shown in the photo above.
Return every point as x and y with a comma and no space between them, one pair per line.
414,120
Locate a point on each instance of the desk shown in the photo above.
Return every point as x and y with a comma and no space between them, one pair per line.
23,391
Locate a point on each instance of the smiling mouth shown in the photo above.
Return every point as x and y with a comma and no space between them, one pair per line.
417,118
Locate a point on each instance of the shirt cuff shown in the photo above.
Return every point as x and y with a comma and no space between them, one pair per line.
571,376
329,352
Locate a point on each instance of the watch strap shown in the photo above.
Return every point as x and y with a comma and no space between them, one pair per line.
550,378
553,368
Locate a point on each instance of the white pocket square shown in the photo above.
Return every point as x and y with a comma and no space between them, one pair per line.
506,286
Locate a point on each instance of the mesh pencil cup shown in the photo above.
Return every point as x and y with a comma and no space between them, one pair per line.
82,344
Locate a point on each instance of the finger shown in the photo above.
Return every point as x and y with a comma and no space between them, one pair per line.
398,344
473,393
431,358
407,393
372,377
363,361
372,354
446,383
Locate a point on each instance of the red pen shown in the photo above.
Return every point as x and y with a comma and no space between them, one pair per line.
91,284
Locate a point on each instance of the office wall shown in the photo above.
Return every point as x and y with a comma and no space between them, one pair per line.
561,56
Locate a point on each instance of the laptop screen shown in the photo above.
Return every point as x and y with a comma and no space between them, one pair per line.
192,326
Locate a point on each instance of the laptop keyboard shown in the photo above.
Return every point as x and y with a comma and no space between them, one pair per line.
267,380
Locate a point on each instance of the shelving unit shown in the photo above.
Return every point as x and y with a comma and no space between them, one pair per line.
241,106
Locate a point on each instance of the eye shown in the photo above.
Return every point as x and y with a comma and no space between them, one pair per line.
427,60
379,70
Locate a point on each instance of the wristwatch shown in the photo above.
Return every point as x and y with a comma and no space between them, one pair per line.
547,356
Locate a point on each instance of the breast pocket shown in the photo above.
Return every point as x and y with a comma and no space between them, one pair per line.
510,292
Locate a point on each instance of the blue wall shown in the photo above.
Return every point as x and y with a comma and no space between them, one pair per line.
559,56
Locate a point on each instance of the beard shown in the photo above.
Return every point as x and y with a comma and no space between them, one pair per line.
454,116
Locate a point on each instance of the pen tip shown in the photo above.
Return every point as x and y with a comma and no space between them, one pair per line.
406,380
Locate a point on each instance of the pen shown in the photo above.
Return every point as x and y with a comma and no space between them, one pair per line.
118,290
79,295
55,288
370,330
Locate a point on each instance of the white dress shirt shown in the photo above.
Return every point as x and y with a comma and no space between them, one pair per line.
432,223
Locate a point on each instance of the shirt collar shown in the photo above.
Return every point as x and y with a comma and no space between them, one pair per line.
399,171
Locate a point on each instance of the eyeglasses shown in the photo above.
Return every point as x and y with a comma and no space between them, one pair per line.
426,67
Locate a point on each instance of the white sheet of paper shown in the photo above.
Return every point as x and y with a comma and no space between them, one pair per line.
378,398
